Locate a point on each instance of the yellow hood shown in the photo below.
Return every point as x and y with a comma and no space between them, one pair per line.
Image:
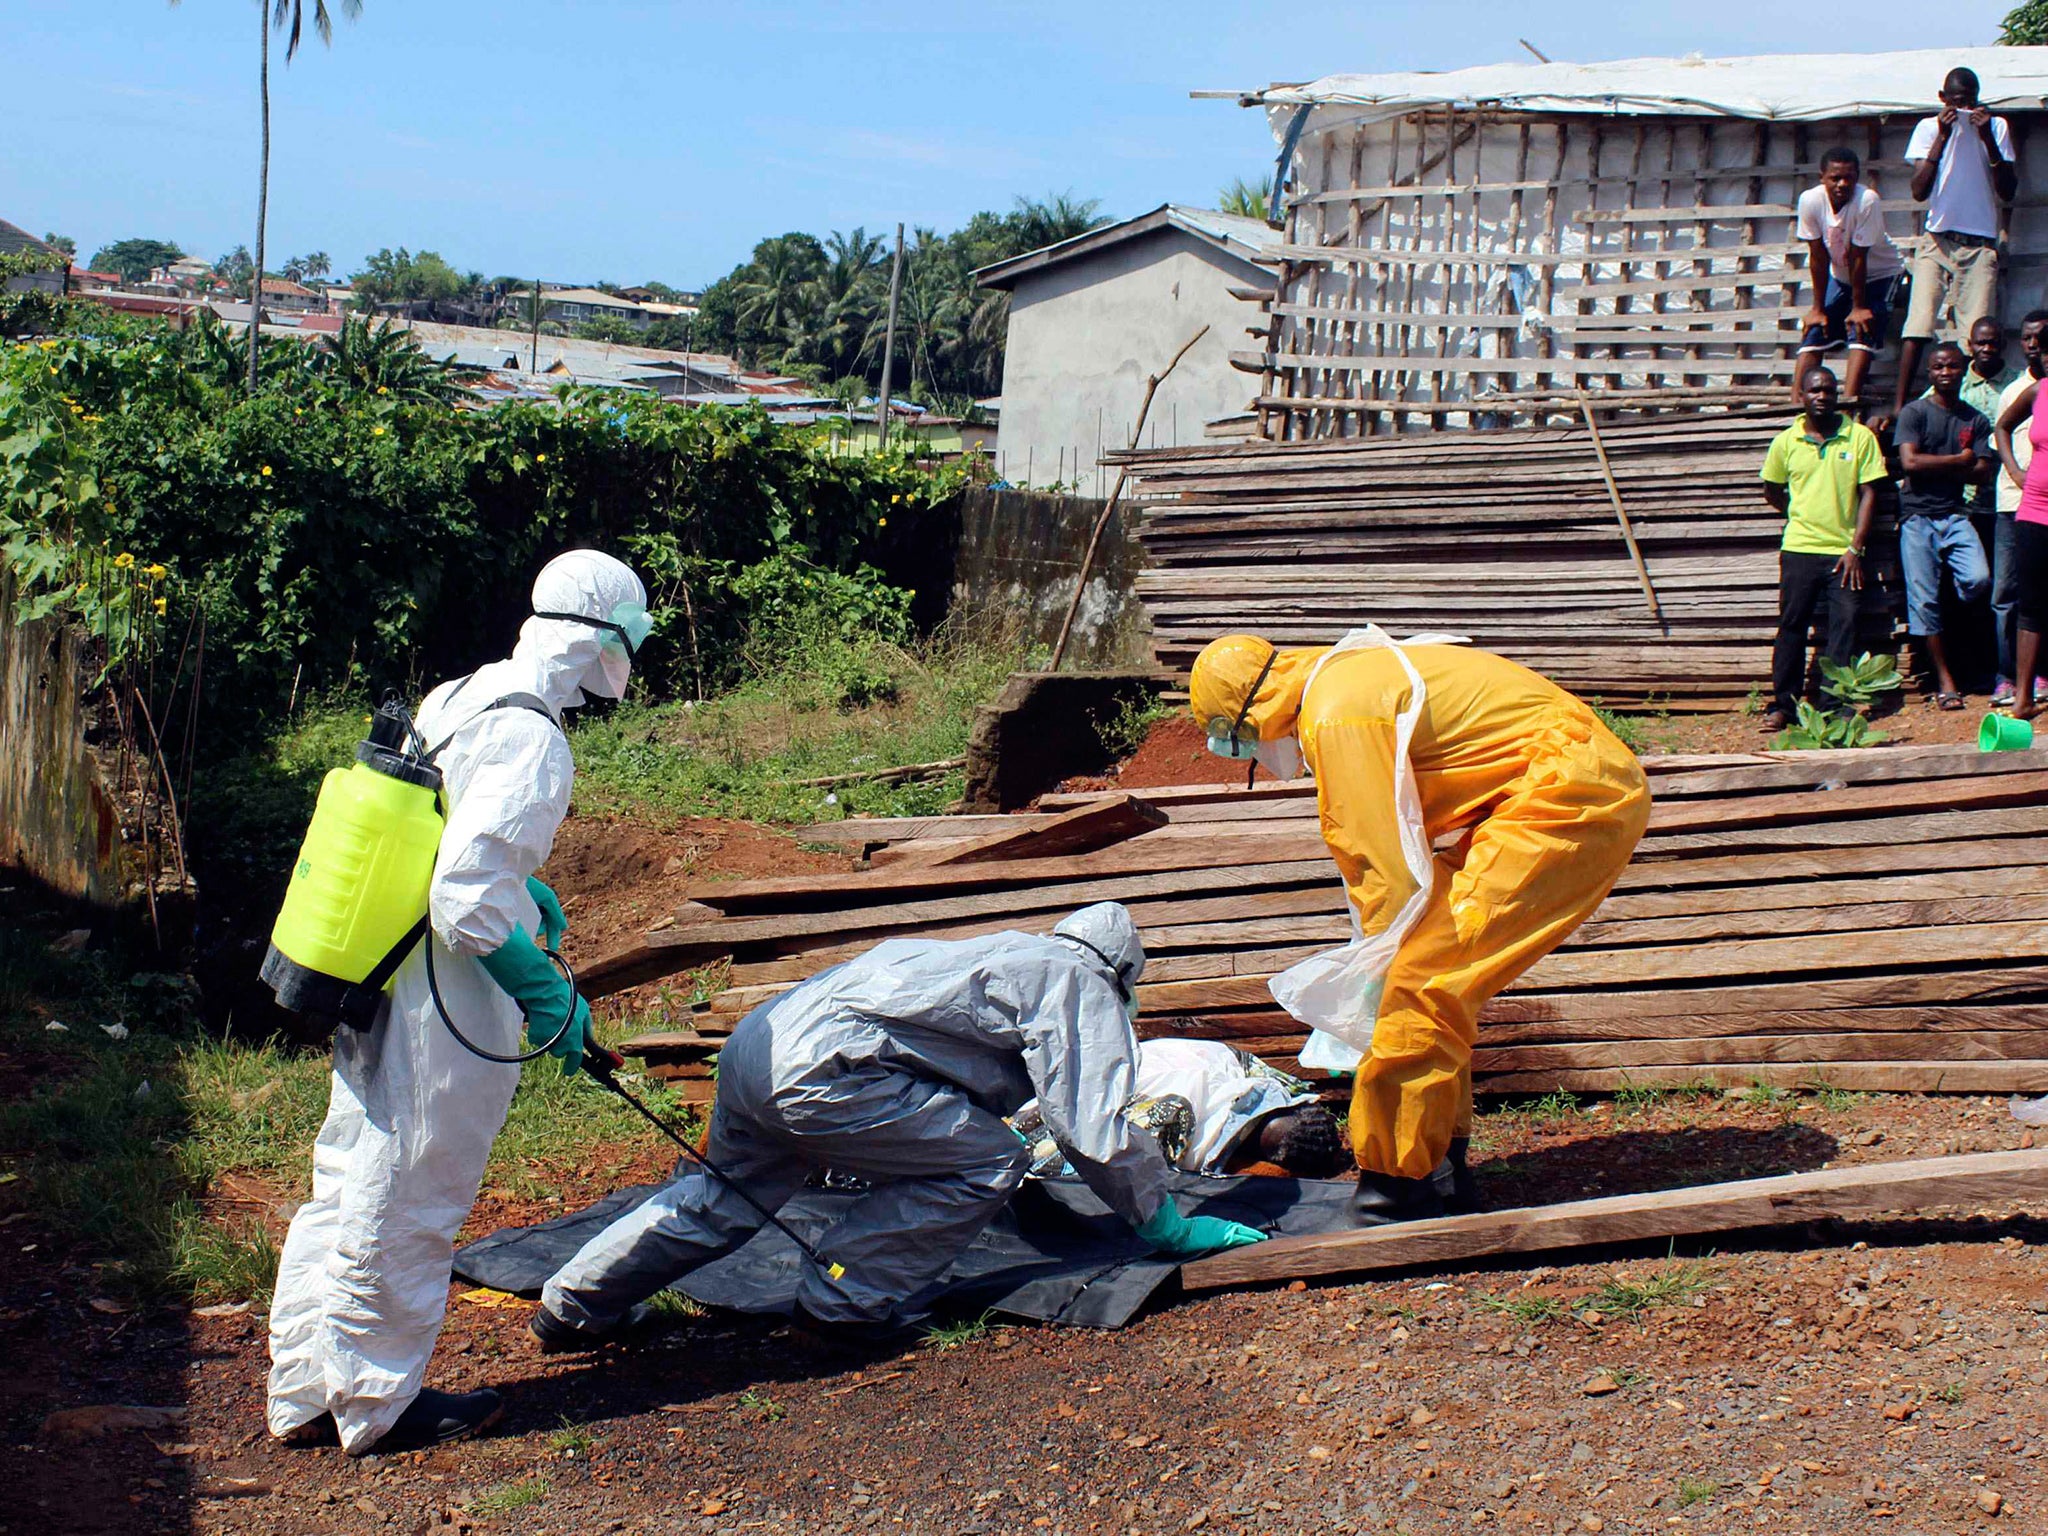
1230,668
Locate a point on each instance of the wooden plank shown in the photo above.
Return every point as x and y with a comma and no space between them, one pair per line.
1962,944
1819,919
1859,1046
1842,804
1259,362
1850,891
1686,1026
904,829
1394,256
1886,765
1983,1180
1084,829
2022,821
1861,1076
1817,863
1887,989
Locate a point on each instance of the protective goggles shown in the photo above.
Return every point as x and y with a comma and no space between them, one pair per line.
629,625
1124,989
1229,738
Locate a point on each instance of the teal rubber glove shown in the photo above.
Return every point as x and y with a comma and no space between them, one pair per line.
1190,1237
530,979
554,927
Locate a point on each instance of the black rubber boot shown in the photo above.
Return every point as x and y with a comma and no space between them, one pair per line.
1454,1181
436,1418
1384,1198
557,1337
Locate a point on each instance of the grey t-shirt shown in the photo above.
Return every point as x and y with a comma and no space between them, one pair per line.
1932,427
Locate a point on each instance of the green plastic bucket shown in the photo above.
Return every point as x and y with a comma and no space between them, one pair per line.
2002,733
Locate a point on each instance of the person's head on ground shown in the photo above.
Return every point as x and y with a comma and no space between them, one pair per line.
1840,170
589,620
1307,1140
1945,366
1819,394
2033,326
1987,348
1105,934
1959,89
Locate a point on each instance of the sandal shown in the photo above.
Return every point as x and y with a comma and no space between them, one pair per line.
1949,701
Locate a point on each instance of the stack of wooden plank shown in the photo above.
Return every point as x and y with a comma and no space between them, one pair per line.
1868,920
1508,537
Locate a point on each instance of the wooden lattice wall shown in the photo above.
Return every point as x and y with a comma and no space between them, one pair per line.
1448,267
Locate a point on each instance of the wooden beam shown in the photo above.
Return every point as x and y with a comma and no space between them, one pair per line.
1081,830
1975,1182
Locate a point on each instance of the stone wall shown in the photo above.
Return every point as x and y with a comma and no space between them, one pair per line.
1018,555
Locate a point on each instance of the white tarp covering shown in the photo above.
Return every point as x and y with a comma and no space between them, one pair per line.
1786,87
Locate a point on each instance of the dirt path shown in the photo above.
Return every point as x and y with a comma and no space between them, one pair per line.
1891,1377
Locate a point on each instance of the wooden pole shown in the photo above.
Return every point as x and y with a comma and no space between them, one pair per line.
1628,532
533,357
1116,492
262,195
889,345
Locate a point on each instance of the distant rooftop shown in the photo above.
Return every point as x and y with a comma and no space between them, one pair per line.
1238,236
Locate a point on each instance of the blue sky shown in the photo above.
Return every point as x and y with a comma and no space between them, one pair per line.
578,140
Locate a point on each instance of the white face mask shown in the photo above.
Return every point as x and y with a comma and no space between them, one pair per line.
1281,758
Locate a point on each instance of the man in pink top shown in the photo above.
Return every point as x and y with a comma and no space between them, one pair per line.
2028,409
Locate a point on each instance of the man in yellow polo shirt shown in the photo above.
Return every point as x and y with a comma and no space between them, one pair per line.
1822,473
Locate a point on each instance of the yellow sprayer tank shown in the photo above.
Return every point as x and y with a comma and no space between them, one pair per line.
359,885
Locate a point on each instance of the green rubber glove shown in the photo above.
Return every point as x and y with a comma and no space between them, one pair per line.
554,927
530,979
1189,1238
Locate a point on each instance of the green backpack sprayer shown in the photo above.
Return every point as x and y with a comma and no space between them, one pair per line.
357,904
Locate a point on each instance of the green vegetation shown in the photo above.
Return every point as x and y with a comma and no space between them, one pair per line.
1639,733
1696,1490
136,258
1853,688
1125,731
509,1498
764,1407
1836,1100
1555,1107
1637,1099
2025,25
1528,1308
124,1145
945,1336
1624,1297
572,1438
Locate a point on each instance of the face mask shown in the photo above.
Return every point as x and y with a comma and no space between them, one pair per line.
1232,743
1281,758
627,627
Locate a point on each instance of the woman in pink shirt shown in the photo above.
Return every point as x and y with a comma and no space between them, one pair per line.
2030,530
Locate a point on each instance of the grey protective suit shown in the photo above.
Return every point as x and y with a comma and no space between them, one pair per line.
898,1067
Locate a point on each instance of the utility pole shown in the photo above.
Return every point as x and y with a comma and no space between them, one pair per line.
262,196
889,344
533,357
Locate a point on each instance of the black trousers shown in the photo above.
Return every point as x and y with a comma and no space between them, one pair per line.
1803,580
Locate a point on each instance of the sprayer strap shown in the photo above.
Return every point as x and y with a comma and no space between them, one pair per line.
527,701
381,974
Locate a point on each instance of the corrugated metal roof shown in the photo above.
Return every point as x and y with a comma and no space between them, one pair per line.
1240,237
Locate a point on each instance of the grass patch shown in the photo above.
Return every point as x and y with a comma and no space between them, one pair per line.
508,1498
1125,731
1554,1108
1696,1490
953,1335
739,755
1527,1309
1837,1100
766,1408
223,1261
572,1439
1623,1297
1630,1099
674,1304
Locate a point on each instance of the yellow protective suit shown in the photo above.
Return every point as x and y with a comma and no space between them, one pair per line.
1551,806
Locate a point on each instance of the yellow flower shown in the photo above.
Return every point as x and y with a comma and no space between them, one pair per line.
123,560
84,587
540,458
266,471
47,345
894,499
163,605
156,572
376,432
382,390
881,522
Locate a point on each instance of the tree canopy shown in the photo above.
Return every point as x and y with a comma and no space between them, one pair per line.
136,258
821,306
400,277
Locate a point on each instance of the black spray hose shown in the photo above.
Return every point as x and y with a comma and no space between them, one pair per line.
603,1064
434,988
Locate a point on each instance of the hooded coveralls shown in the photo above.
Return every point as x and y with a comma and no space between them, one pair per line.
363,1280
898,1067
1550,806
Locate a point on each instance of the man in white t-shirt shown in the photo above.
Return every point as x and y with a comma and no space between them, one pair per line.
1856,270
2017,449
1963,169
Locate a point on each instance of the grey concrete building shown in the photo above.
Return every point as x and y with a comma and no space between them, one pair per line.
1092,317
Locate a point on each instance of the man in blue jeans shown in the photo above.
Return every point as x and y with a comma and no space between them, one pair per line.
1945,447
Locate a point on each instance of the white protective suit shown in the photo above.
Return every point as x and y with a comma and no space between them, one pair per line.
897,1068
363,1281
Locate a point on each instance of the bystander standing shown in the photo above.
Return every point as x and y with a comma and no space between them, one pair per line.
1944,447
1963,168
1822,472
2015,451
1856,271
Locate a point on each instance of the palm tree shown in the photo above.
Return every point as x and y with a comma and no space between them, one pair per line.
1246,199
284,15
774,297
844,297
